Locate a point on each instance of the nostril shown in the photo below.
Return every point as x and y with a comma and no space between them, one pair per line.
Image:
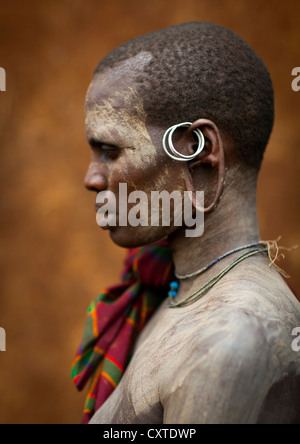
92,189
95,182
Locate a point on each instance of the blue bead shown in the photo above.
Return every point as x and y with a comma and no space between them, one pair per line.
174,285
172,294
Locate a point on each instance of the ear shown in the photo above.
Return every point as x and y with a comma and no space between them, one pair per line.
213,154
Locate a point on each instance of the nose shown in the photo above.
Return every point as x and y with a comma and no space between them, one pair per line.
95,179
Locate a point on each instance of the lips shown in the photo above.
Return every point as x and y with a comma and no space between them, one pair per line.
108,222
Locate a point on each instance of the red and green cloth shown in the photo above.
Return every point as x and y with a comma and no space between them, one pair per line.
115,319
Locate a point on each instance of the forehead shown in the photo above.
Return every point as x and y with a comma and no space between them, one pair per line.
115,83
114,109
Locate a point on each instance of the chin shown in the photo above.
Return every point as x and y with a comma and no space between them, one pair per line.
132,237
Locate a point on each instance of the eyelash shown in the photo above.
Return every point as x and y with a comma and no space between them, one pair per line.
109,152
112,153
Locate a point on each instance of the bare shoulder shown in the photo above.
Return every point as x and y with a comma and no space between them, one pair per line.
252,308
261,299
238,355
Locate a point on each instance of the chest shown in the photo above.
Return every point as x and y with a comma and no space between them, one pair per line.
136,400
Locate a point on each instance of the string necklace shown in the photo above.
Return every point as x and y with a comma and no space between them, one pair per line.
259,247
207,267
271,247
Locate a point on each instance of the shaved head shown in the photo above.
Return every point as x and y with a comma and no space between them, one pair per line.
201,70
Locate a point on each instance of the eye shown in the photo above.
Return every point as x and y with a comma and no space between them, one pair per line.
107,152
110,152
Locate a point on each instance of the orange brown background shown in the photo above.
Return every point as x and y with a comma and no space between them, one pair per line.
54,259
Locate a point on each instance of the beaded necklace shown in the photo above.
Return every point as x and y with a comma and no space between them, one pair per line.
260,247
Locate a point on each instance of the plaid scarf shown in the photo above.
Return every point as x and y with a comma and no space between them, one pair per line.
115,319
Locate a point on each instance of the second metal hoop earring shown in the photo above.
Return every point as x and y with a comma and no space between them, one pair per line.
170,149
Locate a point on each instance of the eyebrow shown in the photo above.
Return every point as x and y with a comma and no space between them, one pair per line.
96,142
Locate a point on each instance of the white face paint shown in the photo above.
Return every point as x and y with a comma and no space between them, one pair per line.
123,150
120,124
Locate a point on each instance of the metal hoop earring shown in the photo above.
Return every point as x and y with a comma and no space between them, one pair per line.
170,149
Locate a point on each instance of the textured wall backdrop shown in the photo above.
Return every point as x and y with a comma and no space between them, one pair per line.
53,258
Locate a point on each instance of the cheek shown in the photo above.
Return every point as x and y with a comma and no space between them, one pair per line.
141,174
130,169
146,178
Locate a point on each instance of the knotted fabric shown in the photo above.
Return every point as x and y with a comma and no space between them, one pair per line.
115,319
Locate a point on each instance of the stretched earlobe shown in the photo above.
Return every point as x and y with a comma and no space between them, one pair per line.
217,160
221,166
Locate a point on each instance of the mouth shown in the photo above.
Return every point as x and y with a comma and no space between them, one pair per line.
110,221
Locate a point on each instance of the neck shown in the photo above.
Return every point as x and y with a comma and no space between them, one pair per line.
224,230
